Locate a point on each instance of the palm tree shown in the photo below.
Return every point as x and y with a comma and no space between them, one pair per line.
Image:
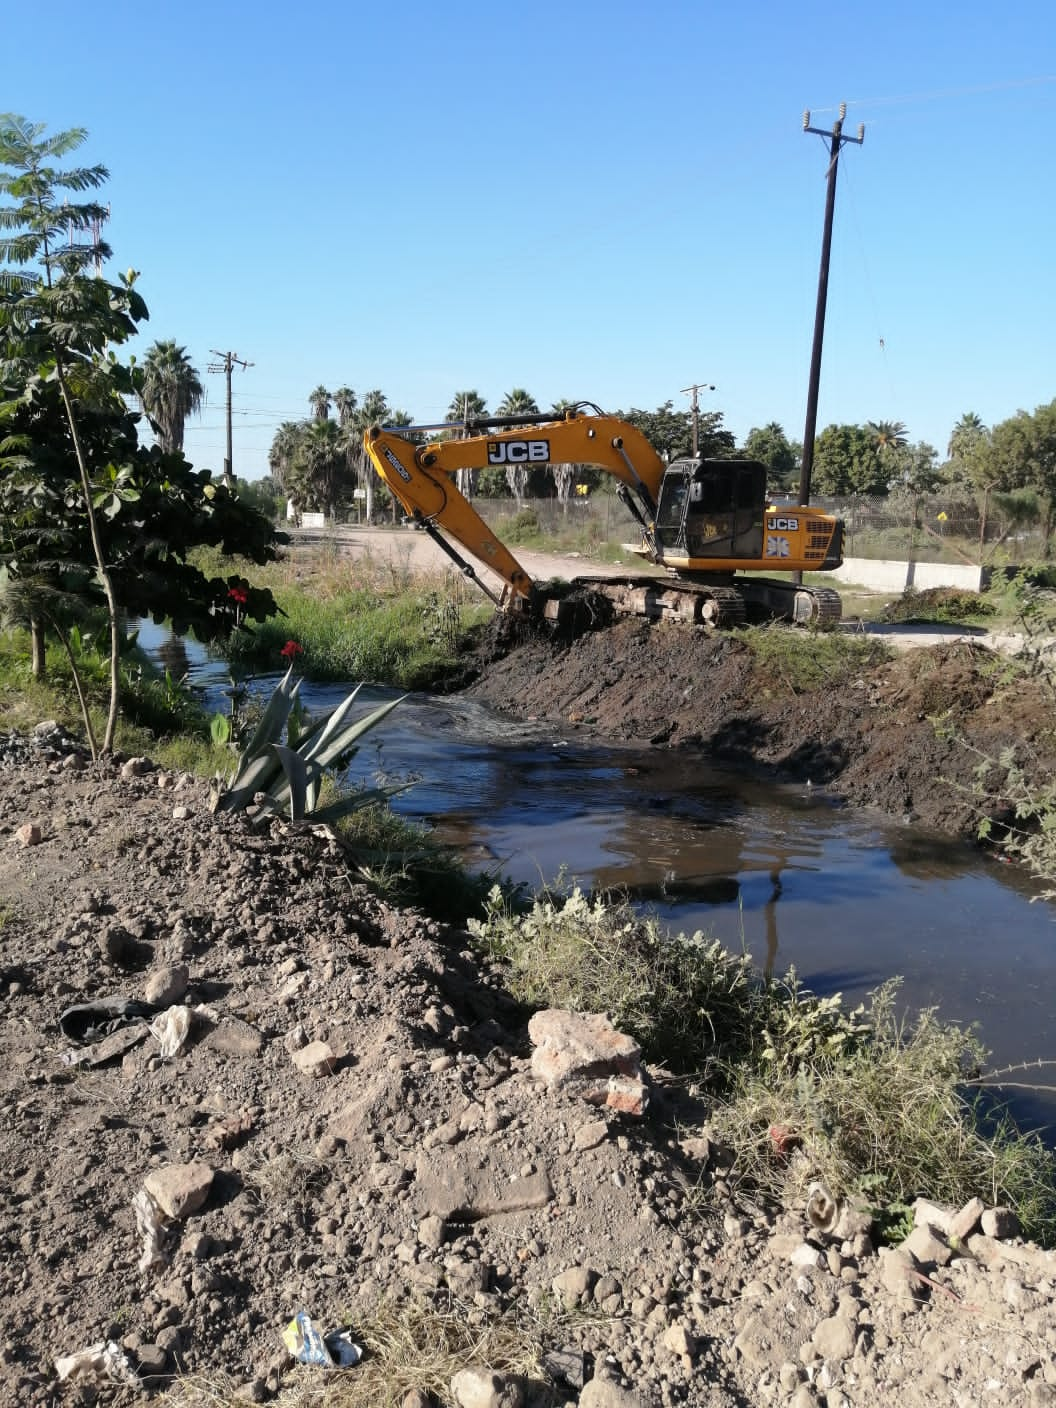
887,435
518,402
324,462
466,405
966,437
345,403
171,391
320,400
283,450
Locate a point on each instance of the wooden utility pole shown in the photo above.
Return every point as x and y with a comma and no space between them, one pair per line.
836,140
694,407
227,361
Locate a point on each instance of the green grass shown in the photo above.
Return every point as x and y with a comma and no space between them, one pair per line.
360,635
882,1108
799,662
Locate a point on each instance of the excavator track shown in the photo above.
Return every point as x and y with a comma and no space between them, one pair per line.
713,606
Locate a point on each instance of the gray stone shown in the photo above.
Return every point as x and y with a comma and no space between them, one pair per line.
966,1221
481,1388
167,985
447,1187
834,1338
573,1285
590,1135
233,1037
317,1059
152,1359
927,1247
604,1393
566,1366
679,1340
432,1232
179,1189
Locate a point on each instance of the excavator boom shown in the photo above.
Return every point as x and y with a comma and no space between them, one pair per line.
703,520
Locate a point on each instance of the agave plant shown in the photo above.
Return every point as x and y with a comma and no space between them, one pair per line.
287,776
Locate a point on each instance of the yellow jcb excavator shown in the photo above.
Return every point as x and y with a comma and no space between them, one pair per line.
708,522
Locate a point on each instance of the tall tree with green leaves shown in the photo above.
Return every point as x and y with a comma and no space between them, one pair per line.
670,432
170,391
968,443
846,461
770,446
87,514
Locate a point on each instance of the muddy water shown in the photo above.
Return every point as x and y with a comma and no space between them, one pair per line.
848,898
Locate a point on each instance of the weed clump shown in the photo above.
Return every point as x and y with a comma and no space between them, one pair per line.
881,1108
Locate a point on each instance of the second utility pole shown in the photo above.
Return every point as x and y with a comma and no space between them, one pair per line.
228,360
694,406
836,141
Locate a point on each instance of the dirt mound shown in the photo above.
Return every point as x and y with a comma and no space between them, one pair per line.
902,734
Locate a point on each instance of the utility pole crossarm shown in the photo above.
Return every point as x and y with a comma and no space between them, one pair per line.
227,361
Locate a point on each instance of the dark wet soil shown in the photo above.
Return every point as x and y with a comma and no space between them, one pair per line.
905,733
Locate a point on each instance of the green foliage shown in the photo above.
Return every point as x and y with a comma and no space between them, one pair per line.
670,432
799,662
771,447
276,776
875,1105
939,604
401,861
85,510
847,460
687,1001
893,1118
358,634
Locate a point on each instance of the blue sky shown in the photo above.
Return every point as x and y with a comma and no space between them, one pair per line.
605,202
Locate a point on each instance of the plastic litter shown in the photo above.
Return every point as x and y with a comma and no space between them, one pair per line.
334,1350
152,1226
88,1021
170,1030
106,1360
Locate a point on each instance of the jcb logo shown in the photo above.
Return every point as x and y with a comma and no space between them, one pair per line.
783,525
397,466
518,451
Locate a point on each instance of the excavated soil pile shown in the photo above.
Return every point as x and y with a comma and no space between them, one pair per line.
903,734
299,1099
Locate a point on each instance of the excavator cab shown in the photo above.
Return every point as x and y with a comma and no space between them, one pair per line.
712,509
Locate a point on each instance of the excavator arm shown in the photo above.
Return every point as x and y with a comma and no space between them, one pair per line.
421,476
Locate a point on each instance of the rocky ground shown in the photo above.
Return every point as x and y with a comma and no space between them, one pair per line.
345,1112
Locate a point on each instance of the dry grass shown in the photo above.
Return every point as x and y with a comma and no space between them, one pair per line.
406,1347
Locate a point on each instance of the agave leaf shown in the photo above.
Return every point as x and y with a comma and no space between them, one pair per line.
297,780
338,737
356,802
259,775
272,722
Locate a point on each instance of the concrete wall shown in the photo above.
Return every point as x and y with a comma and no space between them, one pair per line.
885,576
